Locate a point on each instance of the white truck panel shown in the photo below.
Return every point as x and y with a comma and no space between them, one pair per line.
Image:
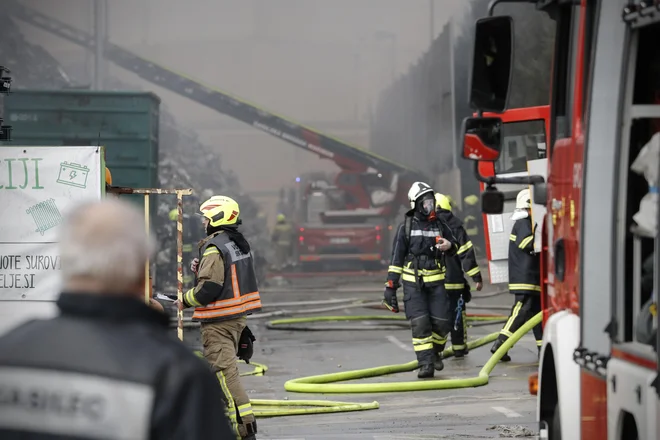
562,332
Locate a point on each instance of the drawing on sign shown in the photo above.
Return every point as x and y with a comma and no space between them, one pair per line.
73,174
46,215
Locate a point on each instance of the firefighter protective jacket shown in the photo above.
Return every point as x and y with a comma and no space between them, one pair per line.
105,368
465,259
224,290
415,259
524,263
282,234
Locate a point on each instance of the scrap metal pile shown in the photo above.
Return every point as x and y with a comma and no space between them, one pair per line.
184,162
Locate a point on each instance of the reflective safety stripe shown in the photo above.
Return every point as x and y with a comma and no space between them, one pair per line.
437,339
426,278
187,248
188,279
471,231
227,307
525,241
420,344
458,347
531,287
429,233
516,309
211,250
472,272
459,286
512,237
539,343
395,269
189,297
465,247
245,410
231,410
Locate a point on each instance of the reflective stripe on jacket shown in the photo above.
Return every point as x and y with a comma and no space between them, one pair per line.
524,263
240,294
419,260
465,261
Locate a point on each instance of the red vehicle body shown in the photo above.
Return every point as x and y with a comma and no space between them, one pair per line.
596,379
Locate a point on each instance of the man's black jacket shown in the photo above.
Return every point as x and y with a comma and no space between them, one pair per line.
105,368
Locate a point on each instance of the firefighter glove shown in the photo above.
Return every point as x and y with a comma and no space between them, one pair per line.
390,300
245,345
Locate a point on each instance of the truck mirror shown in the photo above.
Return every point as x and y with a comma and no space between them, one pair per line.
492,201
492,64
482,138
540,193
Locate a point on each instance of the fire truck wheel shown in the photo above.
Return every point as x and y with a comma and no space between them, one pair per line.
555,428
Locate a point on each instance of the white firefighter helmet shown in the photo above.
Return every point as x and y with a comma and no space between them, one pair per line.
523,203
417,190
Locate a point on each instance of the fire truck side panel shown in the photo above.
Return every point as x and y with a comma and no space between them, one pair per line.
593,405
559,375
631,394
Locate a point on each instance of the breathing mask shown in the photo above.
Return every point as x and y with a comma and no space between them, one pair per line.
426,205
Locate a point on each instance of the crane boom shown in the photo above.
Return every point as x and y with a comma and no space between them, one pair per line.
348,157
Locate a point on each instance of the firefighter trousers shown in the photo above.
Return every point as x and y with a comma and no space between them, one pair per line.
220,340
458,328
525,308
427,309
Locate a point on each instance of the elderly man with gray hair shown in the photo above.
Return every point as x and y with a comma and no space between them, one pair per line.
105,367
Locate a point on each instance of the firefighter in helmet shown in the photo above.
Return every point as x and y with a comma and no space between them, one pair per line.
226,291
524,274
418,251
458,289
282,239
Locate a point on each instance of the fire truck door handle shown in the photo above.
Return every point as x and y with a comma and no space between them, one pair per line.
613,380
638,391
560,259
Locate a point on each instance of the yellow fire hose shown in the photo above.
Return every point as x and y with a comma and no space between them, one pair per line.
327,383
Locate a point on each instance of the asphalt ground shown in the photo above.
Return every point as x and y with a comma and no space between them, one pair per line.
503,408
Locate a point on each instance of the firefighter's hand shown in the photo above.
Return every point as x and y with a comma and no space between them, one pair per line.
179,305
443,244
479,286
193,265
390,300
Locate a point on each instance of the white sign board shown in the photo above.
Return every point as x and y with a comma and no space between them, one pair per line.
37,186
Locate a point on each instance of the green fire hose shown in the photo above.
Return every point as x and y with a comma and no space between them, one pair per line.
327,383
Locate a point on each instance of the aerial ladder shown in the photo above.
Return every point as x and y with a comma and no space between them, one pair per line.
373,182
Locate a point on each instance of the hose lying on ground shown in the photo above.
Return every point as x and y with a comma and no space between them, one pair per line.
326,383
399,322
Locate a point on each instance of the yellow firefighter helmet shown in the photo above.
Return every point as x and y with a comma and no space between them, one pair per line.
220,211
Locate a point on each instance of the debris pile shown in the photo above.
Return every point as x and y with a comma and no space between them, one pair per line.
184,162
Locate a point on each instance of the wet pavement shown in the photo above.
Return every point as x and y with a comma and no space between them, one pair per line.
502,409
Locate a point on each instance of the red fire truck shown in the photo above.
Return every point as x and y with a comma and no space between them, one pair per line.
598,369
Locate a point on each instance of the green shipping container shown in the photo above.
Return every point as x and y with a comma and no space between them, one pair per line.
125,123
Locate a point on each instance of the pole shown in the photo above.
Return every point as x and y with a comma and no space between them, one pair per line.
454,155
179,262
431,21
147,285
100,11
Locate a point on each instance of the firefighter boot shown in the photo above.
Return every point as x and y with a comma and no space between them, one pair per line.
498,343
437,364
425,371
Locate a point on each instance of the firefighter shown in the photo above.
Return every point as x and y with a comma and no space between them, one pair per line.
225,293
458,289
524,274
471,221
418,251
282,239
